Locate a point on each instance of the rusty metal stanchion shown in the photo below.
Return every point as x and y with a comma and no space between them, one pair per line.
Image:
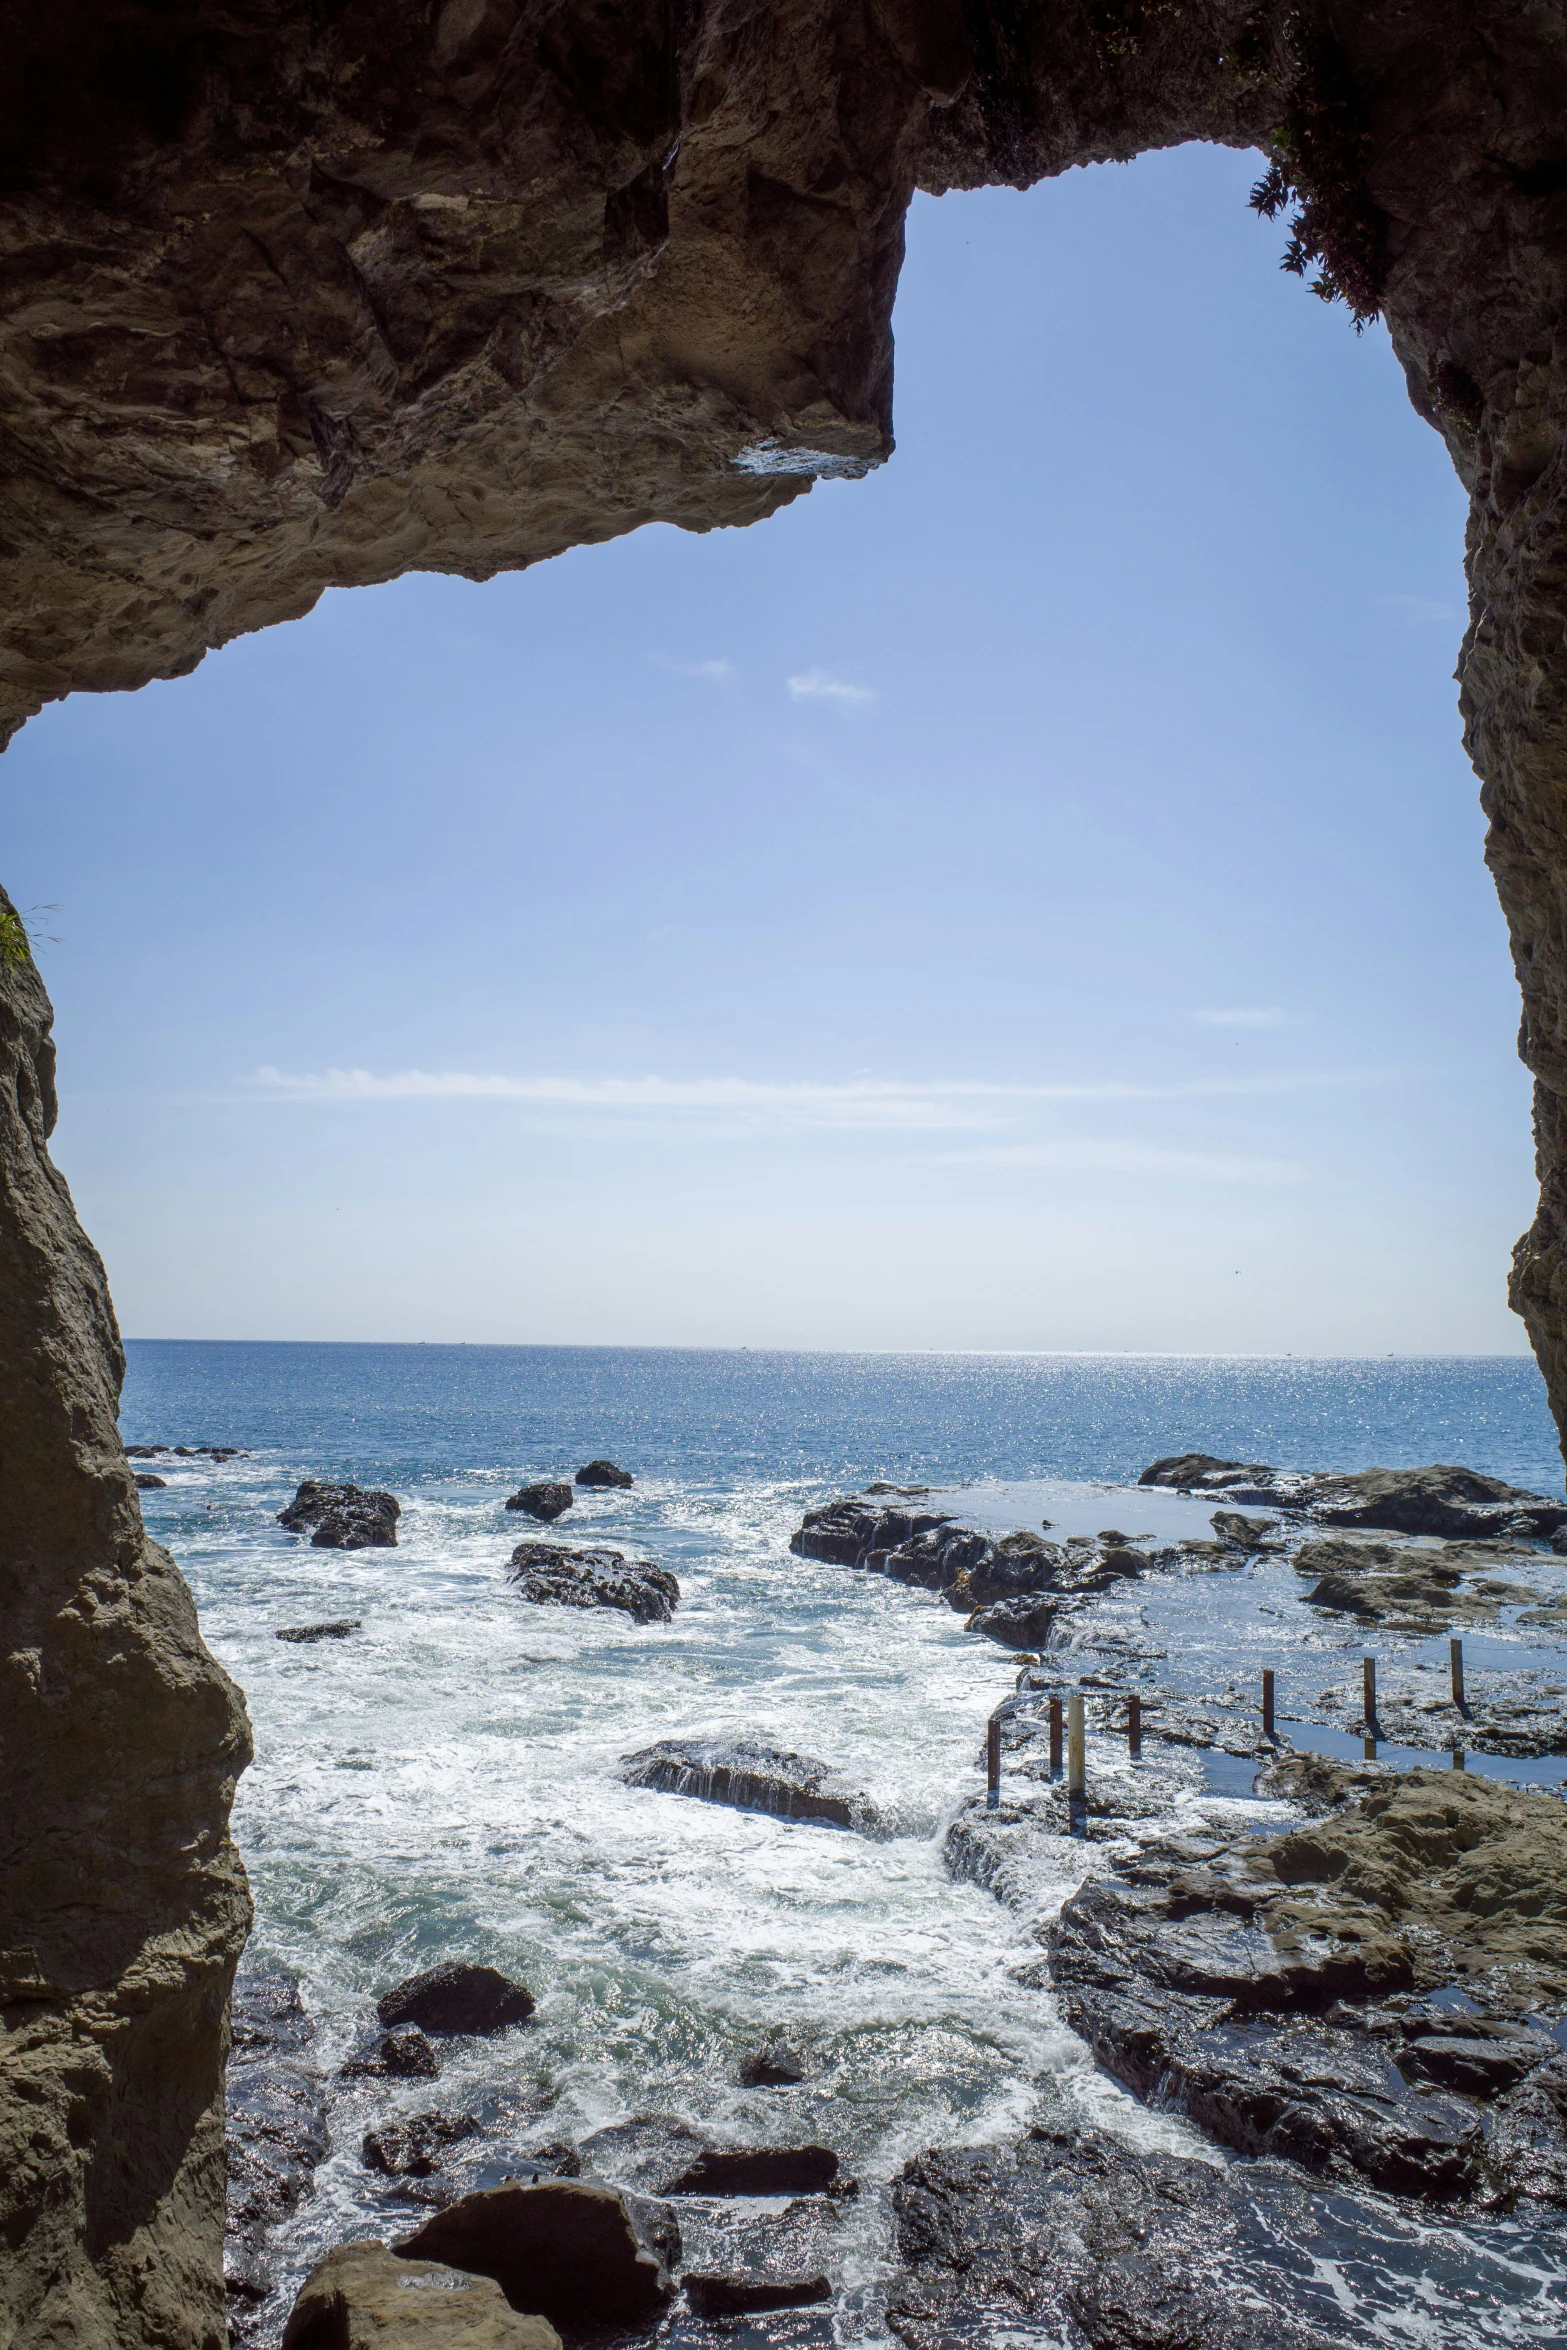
1368,1690
1076,1748
1055,1737
1455,1658
1134,1726
1268,1730
993,1761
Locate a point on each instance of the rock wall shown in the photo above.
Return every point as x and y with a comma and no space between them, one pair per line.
122,1902
298,295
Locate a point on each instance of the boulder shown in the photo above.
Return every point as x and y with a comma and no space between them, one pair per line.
306,1633
757,2170
752,1777
741,2292
604,1473
363,2297
345,1517
774,2065
1017,1623
1441,1499
1201,1472
563,2247
412,2149
404,2055
457,1998
844,1533
546,1501
146,1483
553,1577
1244,1533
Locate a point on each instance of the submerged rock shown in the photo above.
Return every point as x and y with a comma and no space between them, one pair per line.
753,1777
658,2154
277,2130
1075,2238
146,1483
363,2295
553,1577
345,1517
404,2055
1202,1472
774,2065
1415,1589
1316,1995
457,1998
604,1473
546,1501
412,2149
563,2247
742,2292
306,1633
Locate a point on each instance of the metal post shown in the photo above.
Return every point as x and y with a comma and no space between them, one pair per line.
1134,1726
1368,1686
1455,1653
1055,1734
1076,1761
1267,1705
1459,1763
993,1761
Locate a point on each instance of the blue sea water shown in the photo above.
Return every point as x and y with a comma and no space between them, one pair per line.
445,1783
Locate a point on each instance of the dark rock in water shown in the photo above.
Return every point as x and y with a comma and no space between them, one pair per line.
1438,1500
412,2149
546,1502
604,1473
457,1998
644,2153
1245,1533
1200,1472
310,1632
845,1532
740,2292
1417,1589
362,2294
1278,1990
149,1484
775,2065
1017,1623
553,1577
404,2055
185,1452
758,2170
752,1777
557,2158
1076,2239
277,2132
345,1517
563,2248
904,1492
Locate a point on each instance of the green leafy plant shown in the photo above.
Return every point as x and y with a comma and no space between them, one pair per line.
15,948
1319,168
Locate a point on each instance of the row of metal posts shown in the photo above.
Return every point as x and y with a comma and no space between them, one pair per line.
1076,1744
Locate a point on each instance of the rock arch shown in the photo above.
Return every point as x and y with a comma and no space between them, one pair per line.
297,296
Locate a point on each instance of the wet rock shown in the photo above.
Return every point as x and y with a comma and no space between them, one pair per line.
363,2297
604,1473
643,2153
557,2158
1017,1623
1277,1990
404,2055
757,2170
1441,1499
1244,1533
1201,1472
752,1777
774,2065
185,1452
457,1998
344,1517
149,1484
546,1501
740,2292
564,2248
1417,1589
904,1492
845,1532
277,2130
553,1577
1078,2239
412,2149
306,1633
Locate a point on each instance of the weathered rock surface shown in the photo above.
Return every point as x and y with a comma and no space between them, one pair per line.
123,1905
342,1517
1243,1533
753,1777
546,1501
1442,1499
1080,2240
305,1635
277,2131
456,1998
743,2292
563,2248
363,2297
1521,1713
552,1577
604,1473
403,2055
1357,1994
1415,1590
146,1484
656,2154
772,2065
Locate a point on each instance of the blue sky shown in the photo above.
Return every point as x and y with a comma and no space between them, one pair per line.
1030,898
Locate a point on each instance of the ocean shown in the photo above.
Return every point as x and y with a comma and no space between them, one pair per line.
444,1783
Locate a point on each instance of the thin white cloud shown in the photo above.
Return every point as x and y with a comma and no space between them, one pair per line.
709,672
1129,1158
819,685
1253,1016
1417,608
878,1103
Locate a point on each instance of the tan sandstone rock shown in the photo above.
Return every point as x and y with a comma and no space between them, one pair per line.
362,2297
